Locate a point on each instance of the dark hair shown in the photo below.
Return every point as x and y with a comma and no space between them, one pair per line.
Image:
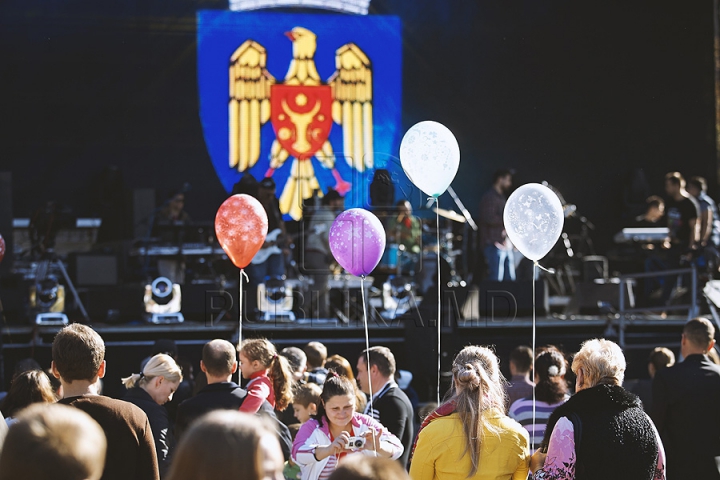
551,387
521,357
382,358
78,351
247,185
382,189
655,201
661,357
500,173
27,388
25,365
316,354
330,196
262,350
675,178
334,386
295,357
699,331
218,356
698,182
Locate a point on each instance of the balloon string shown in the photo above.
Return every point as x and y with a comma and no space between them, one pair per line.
437,231
240,312
535,265
367,352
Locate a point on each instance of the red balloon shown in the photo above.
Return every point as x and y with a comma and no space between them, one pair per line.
2,248
241,226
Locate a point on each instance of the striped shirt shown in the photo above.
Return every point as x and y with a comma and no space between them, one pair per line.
522,412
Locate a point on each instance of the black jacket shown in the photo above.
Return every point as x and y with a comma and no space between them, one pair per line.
227,396
395,412
686,411
614,438
159,423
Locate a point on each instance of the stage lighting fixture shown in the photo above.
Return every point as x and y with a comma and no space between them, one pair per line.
163,301
275,300
47,298
397,293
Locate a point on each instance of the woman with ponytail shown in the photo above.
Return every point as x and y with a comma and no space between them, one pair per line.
551,391
469,436
149,390
270,376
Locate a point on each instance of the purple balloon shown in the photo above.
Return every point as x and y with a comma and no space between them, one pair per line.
357,241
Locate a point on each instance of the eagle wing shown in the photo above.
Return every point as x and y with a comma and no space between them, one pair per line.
249,106
352,104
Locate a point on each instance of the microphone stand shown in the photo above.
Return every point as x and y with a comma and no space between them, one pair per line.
470,222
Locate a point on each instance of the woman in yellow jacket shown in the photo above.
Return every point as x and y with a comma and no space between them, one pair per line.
470,436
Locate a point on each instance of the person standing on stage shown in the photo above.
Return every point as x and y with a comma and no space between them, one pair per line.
682,213
316,256
404,229
495,245
274,265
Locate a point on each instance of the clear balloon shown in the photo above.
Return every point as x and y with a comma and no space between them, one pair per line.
430,156
241,226
533,219
357,241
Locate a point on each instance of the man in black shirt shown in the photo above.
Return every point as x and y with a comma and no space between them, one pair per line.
682,212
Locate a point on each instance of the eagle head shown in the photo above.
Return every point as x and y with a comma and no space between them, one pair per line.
304,43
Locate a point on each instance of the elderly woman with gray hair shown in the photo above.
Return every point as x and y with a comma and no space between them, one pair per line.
602,431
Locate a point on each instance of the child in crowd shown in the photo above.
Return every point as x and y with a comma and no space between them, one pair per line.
269,374
307,398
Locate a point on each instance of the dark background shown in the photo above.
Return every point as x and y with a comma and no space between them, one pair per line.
575,93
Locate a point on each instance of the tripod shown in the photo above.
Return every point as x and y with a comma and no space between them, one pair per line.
49,258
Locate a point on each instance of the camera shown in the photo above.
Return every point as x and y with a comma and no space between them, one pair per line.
355,443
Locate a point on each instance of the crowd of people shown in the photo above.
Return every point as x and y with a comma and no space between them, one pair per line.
304,415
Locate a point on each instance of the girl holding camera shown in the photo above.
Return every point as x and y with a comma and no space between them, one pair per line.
337,431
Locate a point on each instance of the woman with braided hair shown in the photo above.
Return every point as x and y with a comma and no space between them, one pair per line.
469,436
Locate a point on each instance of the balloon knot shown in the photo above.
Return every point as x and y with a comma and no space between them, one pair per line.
242,272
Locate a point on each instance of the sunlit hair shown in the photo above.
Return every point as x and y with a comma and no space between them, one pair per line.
316,354
550,369
602,362
361,467
161,365
263,351
699,331
27,388
342,367
335,385
78,351
661,357
479,387
222,444
675,178
307,394
53,441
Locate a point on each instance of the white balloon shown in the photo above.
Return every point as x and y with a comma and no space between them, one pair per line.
533,219
430,156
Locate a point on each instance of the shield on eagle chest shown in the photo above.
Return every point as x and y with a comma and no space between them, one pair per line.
301,117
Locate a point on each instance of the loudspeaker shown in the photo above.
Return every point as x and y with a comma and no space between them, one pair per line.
92,269
122,303
6,221
500,301
588,294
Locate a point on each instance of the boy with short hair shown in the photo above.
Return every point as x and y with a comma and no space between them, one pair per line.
306,401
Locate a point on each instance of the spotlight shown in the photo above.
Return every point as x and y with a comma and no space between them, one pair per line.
163,300
397,293
275,300
47,298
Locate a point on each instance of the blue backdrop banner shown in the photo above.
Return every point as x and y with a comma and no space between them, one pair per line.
311,100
